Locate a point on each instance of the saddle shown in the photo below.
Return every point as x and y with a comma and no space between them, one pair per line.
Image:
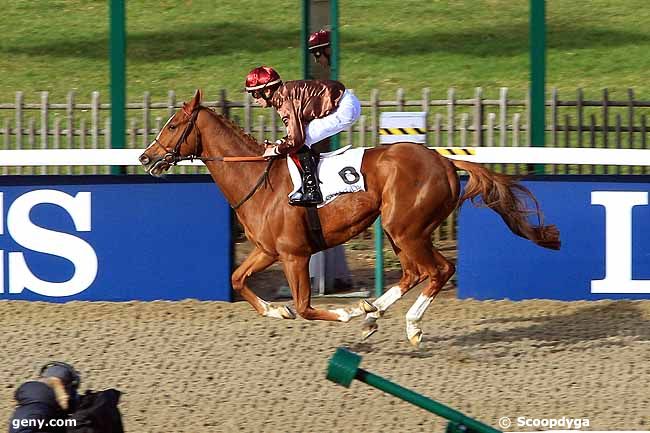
339,173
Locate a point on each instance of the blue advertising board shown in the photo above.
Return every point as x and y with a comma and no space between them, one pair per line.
604,224
113,238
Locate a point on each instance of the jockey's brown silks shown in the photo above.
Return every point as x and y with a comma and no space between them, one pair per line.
299,102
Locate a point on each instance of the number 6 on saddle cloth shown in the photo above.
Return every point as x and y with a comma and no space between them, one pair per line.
339,173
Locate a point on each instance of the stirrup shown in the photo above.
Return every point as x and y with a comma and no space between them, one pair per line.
303,199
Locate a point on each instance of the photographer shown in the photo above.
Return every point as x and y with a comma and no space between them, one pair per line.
51,404
44,404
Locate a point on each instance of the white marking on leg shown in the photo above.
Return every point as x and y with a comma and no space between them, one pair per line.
361,309
265,306
354,312
415,313
386,300
270,310
344,315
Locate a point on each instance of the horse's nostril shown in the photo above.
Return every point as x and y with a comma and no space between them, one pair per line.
144,159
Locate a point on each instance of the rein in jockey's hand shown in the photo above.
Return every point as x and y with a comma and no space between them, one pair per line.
272,150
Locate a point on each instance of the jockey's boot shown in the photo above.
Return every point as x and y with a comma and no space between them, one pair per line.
310,195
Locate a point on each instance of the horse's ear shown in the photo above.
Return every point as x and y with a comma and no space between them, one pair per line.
196,101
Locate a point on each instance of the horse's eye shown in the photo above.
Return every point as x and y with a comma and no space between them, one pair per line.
172,126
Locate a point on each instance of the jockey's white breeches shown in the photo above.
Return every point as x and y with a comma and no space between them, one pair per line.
346,114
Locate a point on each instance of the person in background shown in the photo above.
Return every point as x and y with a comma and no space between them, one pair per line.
319,47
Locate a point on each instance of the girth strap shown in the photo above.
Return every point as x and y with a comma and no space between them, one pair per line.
315,229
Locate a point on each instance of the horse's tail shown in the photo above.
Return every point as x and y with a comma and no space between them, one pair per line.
504,195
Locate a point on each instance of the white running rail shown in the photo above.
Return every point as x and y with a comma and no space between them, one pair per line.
505,155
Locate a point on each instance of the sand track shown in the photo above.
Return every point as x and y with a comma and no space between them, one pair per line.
217,367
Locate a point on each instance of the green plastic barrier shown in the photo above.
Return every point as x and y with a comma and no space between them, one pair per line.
344,368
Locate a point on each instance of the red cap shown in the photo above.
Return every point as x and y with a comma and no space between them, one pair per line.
261,77
319,39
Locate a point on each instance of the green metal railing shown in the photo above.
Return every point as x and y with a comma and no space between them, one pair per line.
344,368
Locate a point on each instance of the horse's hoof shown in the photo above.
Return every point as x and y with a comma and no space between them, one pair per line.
416,339
369,328
366,306
287,313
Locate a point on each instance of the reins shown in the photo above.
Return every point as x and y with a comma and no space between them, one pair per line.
173,157
264,179
226,158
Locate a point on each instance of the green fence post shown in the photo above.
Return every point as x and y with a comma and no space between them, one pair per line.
304,36
118,78
344,368
537,76
379,258
334,59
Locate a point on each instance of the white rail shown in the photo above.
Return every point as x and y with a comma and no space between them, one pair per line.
506,155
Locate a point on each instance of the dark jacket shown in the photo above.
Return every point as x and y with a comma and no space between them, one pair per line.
97,412
40,402
37,407
299,102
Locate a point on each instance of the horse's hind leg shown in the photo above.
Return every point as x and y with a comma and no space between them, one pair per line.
257,261
438,276
296,269
411,277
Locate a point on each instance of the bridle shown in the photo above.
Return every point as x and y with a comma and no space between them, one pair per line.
173,157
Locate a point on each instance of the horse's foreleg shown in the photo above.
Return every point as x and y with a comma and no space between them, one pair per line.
296,269
257,261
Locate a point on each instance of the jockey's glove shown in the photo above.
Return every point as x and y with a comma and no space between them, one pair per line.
268,143
271,151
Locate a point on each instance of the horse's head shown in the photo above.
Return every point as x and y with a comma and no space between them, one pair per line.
179,139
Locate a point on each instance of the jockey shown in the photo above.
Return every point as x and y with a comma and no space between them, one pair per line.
311,110
319,47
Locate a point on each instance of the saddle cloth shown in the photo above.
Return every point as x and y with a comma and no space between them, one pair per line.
339,173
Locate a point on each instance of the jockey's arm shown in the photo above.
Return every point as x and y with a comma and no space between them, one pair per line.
294,122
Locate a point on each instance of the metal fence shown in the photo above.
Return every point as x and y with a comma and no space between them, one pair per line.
454,121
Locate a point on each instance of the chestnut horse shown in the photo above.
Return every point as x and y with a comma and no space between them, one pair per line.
412,187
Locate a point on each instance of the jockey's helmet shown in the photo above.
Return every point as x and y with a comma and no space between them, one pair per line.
319,39
262,77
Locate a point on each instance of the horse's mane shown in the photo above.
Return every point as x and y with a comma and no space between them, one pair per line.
251,143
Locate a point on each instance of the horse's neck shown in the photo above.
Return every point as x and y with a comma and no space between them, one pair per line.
221,138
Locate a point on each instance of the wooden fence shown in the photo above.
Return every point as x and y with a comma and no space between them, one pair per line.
454,121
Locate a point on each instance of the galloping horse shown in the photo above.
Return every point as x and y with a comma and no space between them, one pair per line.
412,187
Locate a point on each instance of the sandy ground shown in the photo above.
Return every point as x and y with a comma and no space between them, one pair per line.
217,367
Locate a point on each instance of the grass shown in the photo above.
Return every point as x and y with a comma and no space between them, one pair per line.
62,45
